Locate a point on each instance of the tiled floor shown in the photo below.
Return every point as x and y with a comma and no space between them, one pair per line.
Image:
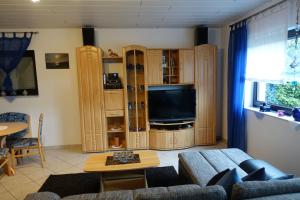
30,175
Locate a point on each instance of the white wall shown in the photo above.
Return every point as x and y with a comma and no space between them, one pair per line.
274,140
115,39
58,96
269,138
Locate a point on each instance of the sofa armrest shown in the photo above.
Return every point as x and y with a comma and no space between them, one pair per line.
43,196
255,189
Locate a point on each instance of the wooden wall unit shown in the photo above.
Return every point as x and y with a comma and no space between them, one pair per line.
187,66
171,139
155,71
89,68
205,84
135,84
170,66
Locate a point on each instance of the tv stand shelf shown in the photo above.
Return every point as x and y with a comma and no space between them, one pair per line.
171,123
171,136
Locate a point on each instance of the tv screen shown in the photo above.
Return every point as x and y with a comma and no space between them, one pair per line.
171,105
23,77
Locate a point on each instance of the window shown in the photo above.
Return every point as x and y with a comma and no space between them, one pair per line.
281,96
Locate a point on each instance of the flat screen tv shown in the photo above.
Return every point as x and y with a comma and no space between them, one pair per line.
171,105
23,78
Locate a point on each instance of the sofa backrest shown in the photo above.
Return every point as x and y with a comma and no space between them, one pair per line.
186,192
260,189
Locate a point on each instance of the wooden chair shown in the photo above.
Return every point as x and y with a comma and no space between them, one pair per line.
5,162
23,147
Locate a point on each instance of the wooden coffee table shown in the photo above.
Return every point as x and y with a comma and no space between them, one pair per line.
120,176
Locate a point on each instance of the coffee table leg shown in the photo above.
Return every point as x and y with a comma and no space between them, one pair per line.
101,183
145,178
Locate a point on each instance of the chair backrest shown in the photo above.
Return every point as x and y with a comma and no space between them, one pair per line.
17,117
40,128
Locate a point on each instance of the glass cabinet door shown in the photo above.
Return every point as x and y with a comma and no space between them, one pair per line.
131,90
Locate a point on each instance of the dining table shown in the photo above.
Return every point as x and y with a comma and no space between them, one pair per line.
6,129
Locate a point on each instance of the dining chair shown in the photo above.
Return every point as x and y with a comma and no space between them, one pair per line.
4,162
16,117
23,147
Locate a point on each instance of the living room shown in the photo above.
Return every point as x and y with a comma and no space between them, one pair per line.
173,34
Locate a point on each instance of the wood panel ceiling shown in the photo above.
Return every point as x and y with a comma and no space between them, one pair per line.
121,13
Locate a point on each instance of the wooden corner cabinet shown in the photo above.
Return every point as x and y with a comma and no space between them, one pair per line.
89,68
135,84
205,84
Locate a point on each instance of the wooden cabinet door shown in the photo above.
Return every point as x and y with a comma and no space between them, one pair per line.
187,67
142,140
205,83
89,68
160,139
114,99
183,138
154,70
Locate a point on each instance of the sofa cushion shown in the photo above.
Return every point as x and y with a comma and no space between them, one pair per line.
198,169
112,195
292,196
256,189
186,192
221,161
272,172
236,155
217,177
42,195
228,180
201,166
257,175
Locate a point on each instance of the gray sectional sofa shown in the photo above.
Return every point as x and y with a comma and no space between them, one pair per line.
198,168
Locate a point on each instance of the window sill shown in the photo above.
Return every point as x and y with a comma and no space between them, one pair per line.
273,114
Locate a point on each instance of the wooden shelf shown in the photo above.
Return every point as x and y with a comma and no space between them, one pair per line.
116,131
112,59
116,149
171,124
109,90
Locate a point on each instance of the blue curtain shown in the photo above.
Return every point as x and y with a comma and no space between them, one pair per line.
12,50
237,56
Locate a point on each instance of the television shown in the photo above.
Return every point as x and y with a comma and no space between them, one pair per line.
172,104
24,79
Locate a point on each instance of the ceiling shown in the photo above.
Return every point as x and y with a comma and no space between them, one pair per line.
121,13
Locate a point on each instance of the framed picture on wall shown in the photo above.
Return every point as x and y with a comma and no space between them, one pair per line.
57,60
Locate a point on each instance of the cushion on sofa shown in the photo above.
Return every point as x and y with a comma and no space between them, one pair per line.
228,180
186,192
256,189
220,161
292,196
111,195
236,155
42,195
217,177
272,172
198,169
257,175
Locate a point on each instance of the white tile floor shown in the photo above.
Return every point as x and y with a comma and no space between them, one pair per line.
30,175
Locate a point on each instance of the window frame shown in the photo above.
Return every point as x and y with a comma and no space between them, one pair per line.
256,103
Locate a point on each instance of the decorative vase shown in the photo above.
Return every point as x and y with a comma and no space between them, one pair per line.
296,114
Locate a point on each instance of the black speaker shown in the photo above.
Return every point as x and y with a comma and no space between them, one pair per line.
88,36
201,35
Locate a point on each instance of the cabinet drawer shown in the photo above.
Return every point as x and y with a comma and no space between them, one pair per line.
114,113
114,99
